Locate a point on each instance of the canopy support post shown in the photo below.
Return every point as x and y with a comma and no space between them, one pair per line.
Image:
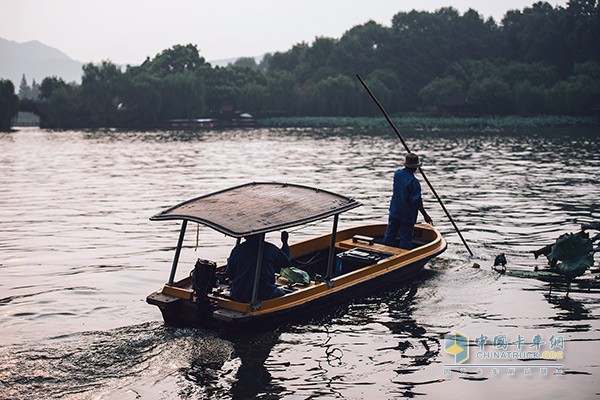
332,252
261,245
178,251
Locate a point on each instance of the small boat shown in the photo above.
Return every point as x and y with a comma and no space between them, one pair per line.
192,123
221,120
341,265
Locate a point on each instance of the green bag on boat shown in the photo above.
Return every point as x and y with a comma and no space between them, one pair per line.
295,275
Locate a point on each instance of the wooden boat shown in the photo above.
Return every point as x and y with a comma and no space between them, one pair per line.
233,119
342,265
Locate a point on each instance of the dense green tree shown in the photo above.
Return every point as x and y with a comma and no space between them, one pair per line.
182,96
67,109
425,44
246,62
541,59
100,86
265,62
283,93
470,70
589,68
530,99
319,53
334,96
441,91
581,30
389,91
491,95
580,93
141,101
288,61
49,85
536,73
24,89
172,85
253,98
28,92
537,34
35,90
223,85
360,50
178,59
9,104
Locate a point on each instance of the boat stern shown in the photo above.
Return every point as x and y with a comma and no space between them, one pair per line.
182,312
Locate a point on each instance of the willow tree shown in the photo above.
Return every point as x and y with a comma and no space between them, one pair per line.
100,89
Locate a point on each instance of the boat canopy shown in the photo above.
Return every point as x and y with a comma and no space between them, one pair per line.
259,207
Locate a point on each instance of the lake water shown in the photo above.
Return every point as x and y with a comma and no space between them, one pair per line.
78,256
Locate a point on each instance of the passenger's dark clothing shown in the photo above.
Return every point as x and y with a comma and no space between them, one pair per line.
241,267
406,201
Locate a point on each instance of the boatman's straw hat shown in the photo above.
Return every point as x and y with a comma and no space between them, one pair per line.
412,161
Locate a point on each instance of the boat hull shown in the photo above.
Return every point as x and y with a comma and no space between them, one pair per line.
214,313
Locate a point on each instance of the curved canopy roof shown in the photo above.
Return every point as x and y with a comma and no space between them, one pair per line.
259,208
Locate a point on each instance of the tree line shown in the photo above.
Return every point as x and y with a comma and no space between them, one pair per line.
539,60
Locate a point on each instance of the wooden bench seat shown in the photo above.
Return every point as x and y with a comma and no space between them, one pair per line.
349,244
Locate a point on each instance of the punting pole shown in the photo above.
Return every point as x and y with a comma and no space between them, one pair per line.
385,114
177,251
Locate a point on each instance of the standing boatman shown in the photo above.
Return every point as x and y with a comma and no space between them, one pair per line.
406,201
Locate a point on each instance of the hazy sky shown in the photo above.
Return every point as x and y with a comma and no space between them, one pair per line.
126,31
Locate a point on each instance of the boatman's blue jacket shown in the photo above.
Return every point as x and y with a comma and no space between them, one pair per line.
241,267
406,197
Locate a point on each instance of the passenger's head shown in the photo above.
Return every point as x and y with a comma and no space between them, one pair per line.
252,238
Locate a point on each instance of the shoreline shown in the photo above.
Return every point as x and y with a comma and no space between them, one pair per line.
416,122
403,122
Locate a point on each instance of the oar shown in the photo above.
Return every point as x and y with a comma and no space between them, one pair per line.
385,114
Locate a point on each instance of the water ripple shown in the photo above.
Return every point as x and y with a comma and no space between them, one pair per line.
79,255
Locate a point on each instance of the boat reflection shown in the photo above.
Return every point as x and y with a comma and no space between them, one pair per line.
215,376
253,376
332,353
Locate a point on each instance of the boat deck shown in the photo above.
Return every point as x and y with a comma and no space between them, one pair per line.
353,243
314,263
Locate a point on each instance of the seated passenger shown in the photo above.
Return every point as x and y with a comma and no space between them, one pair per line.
241,267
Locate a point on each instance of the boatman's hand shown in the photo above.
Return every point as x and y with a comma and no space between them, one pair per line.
427,218
284,236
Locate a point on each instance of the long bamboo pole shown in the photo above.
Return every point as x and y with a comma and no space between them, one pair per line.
385,114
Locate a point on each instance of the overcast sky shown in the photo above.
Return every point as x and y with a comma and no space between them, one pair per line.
126,31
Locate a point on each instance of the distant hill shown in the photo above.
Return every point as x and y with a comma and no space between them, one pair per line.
37,61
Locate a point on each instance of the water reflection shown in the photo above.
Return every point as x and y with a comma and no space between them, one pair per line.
573,309
253,376
79,257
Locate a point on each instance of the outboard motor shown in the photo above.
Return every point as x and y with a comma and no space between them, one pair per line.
203,278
